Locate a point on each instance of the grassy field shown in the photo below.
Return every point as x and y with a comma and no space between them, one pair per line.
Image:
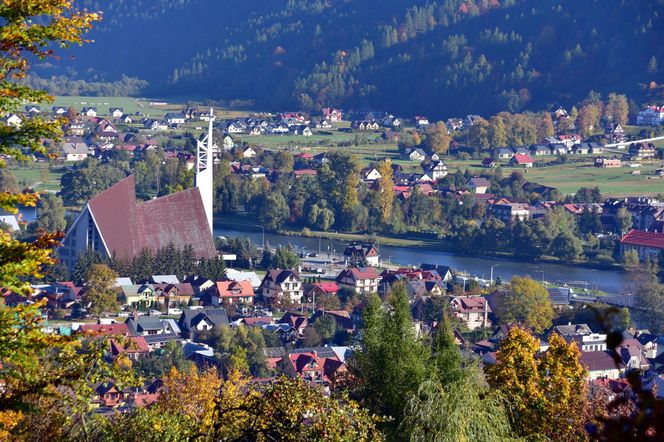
39,177
128,104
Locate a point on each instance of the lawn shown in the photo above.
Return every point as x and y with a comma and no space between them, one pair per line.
39,177
615,182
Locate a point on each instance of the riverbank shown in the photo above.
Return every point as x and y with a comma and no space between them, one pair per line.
246,223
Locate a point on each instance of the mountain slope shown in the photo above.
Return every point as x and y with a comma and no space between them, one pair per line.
441,58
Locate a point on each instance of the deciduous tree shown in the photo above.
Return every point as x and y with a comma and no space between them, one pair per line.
527,302
100,295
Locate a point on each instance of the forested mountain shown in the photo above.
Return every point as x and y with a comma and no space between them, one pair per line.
440,58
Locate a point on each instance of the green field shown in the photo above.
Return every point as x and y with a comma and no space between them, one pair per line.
39,177
128,104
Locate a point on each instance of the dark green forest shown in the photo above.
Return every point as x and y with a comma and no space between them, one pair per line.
440,58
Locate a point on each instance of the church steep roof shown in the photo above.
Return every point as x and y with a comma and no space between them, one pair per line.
128,226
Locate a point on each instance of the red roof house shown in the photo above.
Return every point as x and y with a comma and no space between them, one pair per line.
522,160
646,244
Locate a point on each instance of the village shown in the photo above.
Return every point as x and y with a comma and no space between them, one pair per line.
310,319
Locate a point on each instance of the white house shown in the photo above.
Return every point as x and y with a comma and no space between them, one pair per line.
249,153
115,112
650,116
89,111
281,284
74,149
174,118
13,120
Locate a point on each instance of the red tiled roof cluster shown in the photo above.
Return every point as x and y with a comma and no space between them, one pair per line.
235,289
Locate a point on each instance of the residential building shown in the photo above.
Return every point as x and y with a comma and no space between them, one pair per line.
436,170
202,319
478,185
233,292
646,244
642,151
608,162
510,211
521,160
281,284
472,310
174,119
364,254
74,149
362,279
650,116
139,294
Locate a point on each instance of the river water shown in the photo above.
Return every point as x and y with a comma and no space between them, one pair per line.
609,281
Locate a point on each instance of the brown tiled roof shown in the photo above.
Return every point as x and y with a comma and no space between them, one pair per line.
128,226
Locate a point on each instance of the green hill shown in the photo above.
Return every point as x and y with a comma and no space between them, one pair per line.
439,58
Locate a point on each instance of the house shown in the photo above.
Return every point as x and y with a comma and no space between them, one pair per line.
341,318
504,153
233,292
74,149
303,130
314,367
642,151
478,185
521,160
139,294
445,272
234,127
608,162
89,111
174,294
174,119
615,133
436,169
569,140
150,325
76,128
596,148
248,153
332,115
370,174
510,211
319,289
155,125
164,279
134,347
32,109
116,112
472,310
202,319
126,119
59,110
489,163
362,279
581,149
415,154
296,321
646,244
13,120
600,364
281,284
361,253
540,150
650,116
107,394
558,149
421,122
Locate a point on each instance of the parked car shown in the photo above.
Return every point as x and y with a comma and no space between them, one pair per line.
155,313
174,311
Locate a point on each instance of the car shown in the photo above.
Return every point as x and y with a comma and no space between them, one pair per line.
174,311
123,315
155,313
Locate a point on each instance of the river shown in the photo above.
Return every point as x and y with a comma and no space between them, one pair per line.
606,280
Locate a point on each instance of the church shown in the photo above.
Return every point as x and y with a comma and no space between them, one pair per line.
116,225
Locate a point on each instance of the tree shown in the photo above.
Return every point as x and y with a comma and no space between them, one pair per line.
437,138
446,353
617,109
392,362
463,411
8,182
274,210
623,220
547,394
326,327
566,246
100,295
652,65
386,191
51,213
83,264
588,118
527,302
285,258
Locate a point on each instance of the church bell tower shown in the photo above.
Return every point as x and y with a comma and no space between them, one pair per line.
204,167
